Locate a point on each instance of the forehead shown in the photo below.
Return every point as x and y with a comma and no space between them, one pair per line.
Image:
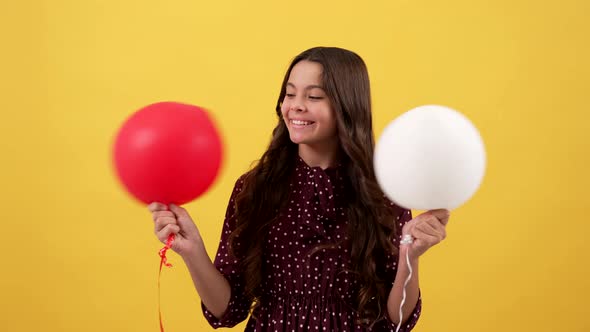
306,73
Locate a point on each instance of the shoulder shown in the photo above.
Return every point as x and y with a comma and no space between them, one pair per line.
247,179
239,183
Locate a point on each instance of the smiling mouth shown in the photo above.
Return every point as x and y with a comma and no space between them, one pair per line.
301,123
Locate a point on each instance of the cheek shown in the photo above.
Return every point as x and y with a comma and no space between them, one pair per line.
334,128
330,119
284,109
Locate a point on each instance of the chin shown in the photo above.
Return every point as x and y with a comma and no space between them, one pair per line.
297,139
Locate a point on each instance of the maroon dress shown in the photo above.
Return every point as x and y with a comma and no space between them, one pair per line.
301,292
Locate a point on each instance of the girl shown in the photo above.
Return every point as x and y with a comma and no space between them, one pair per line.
309,242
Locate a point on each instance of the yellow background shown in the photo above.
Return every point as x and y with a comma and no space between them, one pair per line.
79,255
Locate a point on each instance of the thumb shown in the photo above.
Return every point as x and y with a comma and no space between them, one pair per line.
407,229
184,219
441,214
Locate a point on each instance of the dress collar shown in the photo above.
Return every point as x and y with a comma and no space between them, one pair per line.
302,163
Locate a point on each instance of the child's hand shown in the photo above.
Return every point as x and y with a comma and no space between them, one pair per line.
427,229
176,220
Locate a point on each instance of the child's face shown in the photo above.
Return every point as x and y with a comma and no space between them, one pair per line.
306,108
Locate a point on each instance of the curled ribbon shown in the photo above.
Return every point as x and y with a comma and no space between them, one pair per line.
163,262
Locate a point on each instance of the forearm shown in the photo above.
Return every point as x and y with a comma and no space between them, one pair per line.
412,289
212,286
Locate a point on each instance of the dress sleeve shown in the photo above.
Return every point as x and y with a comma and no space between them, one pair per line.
238,307
402,217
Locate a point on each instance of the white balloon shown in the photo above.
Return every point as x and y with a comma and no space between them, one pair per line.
431,157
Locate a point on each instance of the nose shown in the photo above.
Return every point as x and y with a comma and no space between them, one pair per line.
297,106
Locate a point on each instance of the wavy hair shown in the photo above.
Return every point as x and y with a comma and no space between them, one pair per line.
346,82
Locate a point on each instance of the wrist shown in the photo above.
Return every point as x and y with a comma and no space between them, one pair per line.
404,250
195,253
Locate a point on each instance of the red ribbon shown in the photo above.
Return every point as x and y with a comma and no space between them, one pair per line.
163,261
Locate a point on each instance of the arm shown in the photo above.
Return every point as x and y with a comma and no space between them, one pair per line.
427,230
412,289
219,284
413,304
231,305
213,288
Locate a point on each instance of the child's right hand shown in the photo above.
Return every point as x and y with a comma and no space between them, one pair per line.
176,220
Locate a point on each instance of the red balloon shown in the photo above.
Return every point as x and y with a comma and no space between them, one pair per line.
168,152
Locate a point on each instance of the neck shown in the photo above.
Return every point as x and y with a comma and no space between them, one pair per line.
322,156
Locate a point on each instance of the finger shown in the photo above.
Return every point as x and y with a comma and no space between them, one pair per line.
434,228
184,219
425,237
441,214
162,222
436,224
155,206
160,214
407,228
179,211
438,227
427,228
166,231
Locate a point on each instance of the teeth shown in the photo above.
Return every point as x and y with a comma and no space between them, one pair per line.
301,123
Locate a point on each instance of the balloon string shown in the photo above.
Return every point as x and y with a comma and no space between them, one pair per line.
407,239
163,262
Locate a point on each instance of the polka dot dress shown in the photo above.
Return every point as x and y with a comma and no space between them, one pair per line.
304,291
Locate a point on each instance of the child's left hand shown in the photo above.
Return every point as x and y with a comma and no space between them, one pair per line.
427,229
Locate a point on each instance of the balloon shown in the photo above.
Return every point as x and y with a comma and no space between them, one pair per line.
431,157
167,152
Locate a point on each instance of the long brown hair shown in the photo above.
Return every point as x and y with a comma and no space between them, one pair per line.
346,82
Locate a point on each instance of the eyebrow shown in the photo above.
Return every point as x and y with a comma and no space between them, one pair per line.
309,87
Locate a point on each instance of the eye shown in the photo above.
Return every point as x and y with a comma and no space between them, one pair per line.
290,95
316,97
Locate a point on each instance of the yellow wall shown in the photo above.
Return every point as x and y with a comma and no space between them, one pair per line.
79,255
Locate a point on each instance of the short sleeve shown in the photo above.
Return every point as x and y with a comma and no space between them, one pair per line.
239,306
402,216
